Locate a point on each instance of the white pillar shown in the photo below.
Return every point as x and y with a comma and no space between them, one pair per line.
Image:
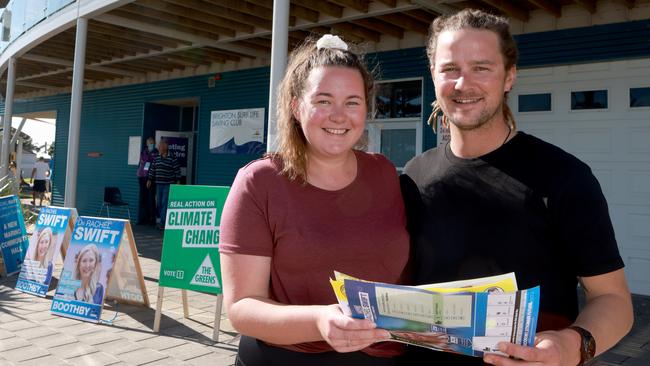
75,113
279,47
9,110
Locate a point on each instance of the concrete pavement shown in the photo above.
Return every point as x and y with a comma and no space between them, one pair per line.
30,335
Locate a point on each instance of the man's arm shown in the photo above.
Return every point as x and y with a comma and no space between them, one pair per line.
607,315
33,173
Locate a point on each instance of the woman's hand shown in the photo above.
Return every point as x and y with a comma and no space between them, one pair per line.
346,334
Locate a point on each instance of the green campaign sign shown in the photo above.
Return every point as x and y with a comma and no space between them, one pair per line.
190,257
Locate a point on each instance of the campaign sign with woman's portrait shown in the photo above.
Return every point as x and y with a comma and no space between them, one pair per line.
44,247
88,263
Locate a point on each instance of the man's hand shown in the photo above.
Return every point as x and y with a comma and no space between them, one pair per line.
148,184
552,348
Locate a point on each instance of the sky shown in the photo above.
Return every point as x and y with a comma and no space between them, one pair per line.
41,130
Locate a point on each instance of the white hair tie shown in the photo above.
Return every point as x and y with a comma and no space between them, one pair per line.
331,41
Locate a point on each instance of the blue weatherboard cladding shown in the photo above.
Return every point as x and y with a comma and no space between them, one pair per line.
109,116
589,44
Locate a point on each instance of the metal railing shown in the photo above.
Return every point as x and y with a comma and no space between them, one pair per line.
21,15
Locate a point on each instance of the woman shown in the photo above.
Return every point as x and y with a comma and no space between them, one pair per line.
87,270
147,197
315,206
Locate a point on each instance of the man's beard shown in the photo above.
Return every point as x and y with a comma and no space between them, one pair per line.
483,118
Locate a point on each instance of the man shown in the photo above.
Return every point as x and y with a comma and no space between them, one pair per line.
39,176
165,171
147,199
494,200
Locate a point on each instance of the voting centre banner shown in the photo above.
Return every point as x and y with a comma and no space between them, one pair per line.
14,240
51,235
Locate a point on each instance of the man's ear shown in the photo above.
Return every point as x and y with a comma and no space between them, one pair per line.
511,76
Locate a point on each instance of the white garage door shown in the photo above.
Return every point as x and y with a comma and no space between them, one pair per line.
600,112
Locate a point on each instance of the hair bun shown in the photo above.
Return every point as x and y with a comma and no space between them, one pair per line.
331,41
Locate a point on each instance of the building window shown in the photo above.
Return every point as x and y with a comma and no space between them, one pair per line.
639,97
535,102
590,99
395,126
399,144
398,99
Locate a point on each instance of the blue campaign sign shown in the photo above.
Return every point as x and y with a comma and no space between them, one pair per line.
13,242
87,267
44,246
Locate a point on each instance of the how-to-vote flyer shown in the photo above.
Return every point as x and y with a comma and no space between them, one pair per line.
13,240
87,268
190,257
44,249
469,317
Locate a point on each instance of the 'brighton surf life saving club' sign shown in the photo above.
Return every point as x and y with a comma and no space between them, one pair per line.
237,131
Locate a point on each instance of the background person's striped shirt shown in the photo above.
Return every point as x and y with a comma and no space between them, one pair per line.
165,170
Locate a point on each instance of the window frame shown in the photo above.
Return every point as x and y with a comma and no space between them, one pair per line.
374,126
629,96
571,91
550,92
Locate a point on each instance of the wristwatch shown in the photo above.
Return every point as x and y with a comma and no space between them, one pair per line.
587,344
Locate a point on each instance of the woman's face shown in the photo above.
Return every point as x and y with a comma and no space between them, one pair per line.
87,264
42,246
332,110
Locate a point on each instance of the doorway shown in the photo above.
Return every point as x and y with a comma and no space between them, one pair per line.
175,120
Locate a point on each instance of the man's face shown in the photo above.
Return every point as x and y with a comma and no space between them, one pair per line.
470,77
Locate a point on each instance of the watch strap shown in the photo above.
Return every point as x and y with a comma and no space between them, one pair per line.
587,344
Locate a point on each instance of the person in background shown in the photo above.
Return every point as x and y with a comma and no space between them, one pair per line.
13,169
147,198
40,172
497,200
164,171
48,183
315,206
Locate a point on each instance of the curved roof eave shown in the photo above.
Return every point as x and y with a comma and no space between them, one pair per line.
55,24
